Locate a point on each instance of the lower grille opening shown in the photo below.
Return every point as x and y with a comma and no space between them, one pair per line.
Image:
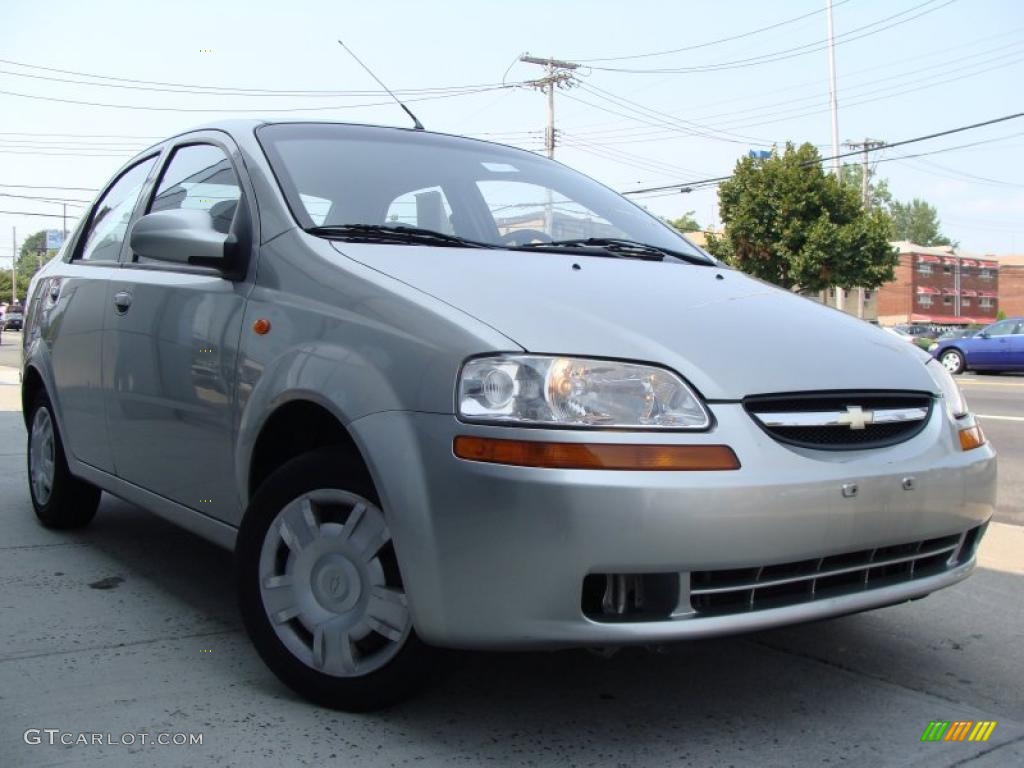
737,590
613,597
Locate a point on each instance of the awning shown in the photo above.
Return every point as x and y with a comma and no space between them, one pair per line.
989,264
988,294
928,259
927,290
968,263
949,291
969,293
950,259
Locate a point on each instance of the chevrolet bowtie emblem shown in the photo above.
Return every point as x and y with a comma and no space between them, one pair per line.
856,417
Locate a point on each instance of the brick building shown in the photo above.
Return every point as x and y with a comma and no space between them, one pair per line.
937,285
1011,285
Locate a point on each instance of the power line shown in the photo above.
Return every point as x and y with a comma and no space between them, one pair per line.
791,113
713,42
249,110
688,186
69,201
789,53
215,90
43,186
33,213
1014,33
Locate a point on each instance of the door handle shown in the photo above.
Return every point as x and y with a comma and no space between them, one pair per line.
122,301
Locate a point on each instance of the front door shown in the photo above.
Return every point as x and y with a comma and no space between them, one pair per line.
992,351
171,347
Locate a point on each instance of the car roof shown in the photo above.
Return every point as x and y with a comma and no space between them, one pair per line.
246,127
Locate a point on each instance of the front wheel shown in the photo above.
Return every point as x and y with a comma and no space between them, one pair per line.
953,361
320,590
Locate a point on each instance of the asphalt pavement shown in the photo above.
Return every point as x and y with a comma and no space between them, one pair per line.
130,627
998,402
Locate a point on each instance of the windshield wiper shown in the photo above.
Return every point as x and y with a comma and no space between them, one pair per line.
397,234
613,246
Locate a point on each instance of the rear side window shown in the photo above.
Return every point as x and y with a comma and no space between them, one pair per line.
200,177
109,222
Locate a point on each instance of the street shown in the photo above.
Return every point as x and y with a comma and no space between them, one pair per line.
999,402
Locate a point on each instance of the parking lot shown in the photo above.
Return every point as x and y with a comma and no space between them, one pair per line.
130,626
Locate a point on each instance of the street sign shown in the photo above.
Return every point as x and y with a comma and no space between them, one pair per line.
54,239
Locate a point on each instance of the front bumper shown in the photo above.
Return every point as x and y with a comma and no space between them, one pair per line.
495,556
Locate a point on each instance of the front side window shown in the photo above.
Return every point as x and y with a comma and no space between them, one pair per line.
200,177
1004,328
475,190
109,222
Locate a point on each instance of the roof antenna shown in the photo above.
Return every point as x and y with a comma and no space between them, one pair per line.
418,125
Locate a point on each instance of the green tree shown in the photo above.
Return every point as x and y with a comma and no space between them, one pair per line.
788,222
879,195
686,223
916,221
31,257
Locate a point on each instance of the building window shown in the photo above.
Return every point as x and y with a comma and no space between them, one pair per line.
947,299
947,270
924,268
985,303
965,302
985,274
924,300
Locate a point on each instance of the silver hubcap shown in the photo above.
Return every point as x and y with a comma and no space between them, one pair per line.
329,583
951,361
41,456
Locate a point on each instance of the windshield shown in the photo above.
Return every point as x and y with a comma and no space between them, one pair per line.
360,175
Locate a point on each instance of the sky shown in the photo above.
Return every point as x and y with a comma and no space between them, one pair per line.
905,68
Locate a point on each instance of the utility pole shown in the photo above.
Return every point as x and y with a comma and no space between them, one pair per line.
14,265
865,191
833,102
558,73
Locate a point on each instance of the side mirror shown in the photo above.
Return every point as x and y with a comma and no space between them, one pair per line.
982,335
183,236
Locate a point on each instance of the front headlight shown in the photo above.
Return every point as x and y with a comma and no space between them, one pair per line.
932,347
577,392
951,394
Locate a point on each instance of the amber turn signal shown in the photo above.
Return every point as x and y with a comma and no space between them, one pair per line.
528,453
261,326
972,437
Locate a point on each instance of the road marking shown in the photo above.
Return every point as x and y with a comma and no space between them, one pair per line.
992,383
999,418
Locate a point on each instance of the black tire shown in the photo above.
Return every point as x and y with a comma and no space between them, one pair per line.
413,665
959,356
72,503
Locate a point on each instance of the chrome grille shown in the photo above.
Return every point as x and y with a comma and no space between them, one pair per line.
841,420
737,590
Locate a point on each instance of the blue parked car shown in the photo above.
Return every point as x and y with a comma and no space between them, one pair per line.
998,347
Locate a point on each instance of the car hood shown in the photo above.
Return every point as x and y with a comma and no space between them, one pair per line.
730,335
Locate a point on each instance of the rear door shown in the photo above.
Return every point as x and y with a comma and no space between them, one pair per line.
172,343
73,312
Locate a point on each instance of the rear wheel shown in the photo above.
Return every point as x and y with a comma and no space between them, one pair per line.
320,590
952,360
60,500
